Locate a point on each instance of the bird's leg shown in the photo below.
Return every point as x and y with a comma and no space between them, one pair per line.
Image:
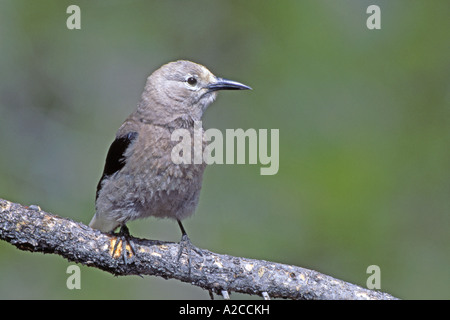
124,237
185,242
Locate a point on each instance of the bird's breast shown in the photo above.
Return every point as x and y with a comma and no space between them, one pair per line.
155,184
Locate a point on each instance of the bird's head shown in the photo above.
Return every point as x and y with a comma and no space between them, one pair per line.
184,88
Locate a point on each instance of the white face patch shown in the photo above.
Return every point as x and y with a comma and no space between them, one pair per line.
208,99
207,75
192,82
197,82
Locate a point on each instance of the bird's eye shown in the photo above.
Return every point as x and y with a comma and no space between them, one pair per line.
192,81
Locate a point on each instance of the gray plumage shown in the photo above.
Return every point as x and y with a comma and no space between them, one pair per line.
140,179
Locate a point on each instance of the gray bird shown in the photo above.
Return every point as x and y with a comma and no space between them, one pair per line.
139,178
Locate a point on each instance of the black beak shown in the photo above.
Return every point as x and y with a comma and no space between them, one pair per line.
224,84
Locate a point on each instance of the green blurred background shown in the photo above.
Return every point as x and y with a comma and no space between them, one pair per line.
364,120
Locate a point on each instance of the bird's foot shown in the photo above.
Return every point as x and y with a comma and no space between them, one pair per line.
124,238
185,243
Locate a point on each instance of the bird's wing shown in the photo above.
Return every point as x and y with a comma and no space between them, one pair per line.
115,160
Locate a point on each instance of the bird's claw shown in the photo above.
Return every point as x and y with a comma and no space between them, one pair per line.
185,243
124,238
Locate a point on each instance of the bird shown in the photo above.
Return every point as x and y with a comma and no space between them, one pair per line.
139,178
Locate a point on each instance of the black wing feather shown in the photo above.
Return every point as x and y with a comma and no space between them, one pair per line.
115,160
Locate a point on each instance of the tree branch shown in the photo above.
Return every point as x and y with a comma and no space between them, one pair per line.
30,228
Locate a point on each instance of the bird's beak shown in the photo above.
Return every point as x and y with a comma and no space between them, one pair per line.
224,84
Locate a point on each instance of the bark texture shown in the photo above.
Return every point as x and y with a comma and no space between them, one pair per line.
32,229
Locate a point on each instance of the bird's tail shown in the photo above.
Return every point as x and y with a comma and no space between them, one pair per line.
104,225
